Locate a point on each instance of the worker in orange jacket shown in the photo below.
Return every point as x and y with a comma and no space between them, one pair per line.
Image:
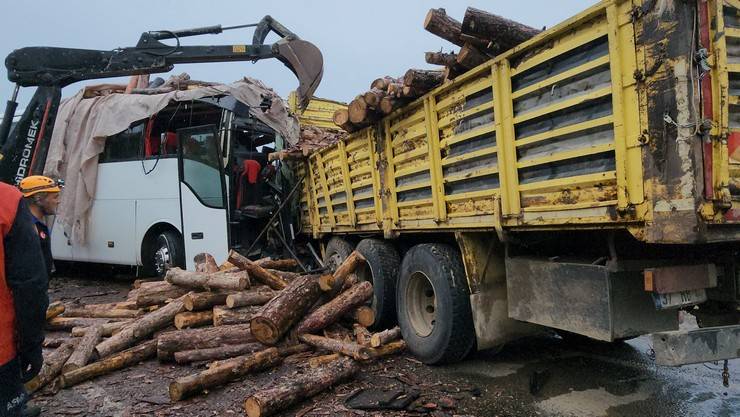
23,301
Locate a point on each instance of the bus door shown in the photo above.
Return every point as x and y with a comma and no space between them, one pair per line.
203,200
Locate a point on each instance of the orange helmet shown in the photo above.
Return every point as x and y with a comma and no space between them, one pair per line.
39,184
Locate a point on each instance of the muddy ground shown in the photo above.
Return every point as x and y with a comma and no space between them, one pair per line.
542,376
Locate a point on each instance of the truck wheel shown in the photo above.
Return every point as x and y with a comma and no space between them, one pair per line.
381,270
434,304
168,252
337,250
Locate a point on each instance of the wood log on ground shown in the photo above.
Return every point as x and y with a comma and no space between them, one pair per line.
209,337
109,329
503,33
188,319
101,313
226,266
350,349
216,353
56,308
137,283
155,284
334,281
317,361
237,281
220,373
283,311
439,23
159,295
205,263
53,343
67,323
440,58
120,305
339,332
362,334
85,350
470,57
382,83
279,264
112,363
386,336
363,315
333,310
388,349
287,276
250,298
419,81
52,366
206,300
270,401
227,316
140,328
257,272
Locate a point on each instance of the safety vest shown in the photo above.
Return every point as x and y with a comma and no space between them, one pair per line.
9,199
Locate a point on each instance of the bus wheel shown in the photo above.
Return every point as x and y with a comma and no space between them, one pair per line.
337,250
381,269
168,252
434,304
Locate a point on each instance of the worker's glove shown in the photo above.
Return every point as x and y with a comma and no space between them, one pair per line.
31,361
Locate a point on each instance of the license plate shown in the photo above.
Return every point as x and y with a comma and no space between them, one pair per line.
679,299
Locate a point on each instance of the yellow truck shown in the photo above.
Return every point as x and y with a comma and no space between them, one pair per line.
586,181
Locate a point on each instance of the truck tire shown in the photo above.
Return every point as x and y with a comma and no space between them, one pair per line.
169,252
381,270
434,304
337,250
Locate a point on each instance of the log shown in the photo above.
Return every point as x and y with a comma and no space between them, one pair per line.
159,295
85,349
54,343
384,337
470,57
318,361
341,119
388,104
228,316
289,306
121,305
226,266
362,315
292,155
339,332
382,83
372,98
388,349
257,272
112,363
109,329
440,58
395,90
279,264
236,281
137,283
191,339
56,308
100,313
67,323
52,366
198,301
216,353
188,319
334,281
362,335
439,23
220,373
333,310
350,349
270,401
285,275
250,298
205,263
358,111
503,33
140,328
421,81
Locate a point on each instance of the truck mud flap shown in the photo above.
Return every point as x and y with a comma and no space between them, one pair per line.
684,347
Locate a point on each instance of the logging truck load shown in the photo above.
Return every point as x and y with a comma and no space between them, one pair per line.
583,181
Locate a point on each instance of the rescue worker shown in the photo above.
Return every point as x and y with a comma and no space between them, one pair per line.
42,197
23,301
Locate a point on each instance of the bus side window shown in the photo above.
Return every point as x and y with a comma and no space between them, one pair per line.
124,146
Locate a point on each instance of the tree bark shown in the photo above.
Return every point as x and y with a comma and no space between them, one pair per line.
121,305
56,308
257,272
250,298
362,335
226,316
188,319
54,343
85,349
439,23
334,281
317,361
440,58
52,366
503,33
209,337
216,353
198,301
279,264
388,349
269,401
115,362
285,275
363,315
237,281
205,263
333,310
109,329
140,329
220,373
421,81
289,306
67,323
350,349
339,332
159,295
100,313
470,57
384,337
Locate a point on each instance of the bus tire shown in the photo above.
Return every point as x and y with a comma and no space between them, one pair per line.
434,304
381,270
169,252
337,250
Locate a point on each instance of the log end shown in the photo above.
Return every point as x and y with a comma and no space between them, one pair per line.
177,392
365,316
243,283
375,341
326,282
252,407
230,301
264,331
188,302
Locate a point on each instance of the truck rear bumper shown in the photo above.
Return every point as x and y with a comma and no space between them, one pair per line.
683,347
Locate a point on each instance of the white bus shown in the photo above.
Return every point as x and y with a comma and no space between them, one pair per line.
193,178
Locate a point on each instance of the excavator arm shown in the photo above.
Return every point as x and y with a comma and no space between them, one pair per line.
50,69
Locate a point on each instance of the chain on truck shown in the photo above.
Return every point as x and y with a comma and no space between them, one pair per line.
493,208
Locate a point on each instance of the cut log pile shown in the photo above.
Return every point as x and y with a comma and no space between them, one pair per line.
480,36
240,319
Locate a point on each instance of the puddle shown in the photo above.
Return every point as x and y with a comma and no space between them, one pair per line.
591,402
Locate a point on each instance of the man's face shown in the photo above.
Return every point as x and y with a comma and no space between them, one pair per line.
48,203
